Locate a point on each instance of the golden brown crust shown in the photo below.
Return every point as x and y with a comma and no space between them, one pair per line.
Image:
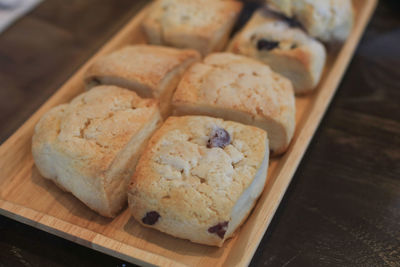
146,65
80,145
296,56
242,89
150,71
194,187
203,25
328,20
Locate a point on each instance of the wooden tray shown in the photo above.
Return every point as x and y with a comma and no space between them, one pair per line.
27,197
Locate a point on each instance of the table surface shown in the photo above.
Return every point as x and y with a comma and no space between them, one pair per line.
343,205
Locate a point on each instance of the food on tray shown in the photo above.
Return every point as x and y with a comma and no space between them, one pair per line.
199,178
241,89
150,71
90,146
204,25
286,49
328,20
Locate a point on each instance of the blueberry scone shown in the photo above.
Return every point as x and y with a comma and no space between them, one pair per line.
90,146
204,25
241,89
199,178
287,50
327,20
150,71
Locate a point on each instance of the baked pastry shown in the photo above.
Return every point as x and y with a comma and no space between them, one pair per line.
287,50
90,146
204,25
241,89
150,71
199,178
328,20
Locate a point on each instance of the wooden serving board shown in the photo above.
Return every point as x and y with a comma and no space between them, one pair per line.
27,197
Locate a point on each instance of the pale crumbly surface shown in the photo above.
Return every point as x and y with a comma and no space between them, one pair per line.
242,89
146,65
204,25
193,187
150,71
328,20
297,56
87,146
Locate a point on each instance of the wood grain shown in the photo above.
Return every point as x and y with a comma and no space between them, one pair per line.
27,197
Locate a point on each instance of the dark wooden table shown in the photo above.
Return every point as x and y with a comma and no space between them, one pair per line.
343,205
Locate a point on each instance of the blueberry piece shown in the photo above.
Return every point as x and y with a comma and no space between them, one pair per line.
151,217
219,229
219,138
263,44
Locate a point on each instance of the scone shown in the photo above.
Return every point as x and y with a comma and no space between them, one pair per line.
90,146
150,71
287,50
204,25
199,178
241,89
327,20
